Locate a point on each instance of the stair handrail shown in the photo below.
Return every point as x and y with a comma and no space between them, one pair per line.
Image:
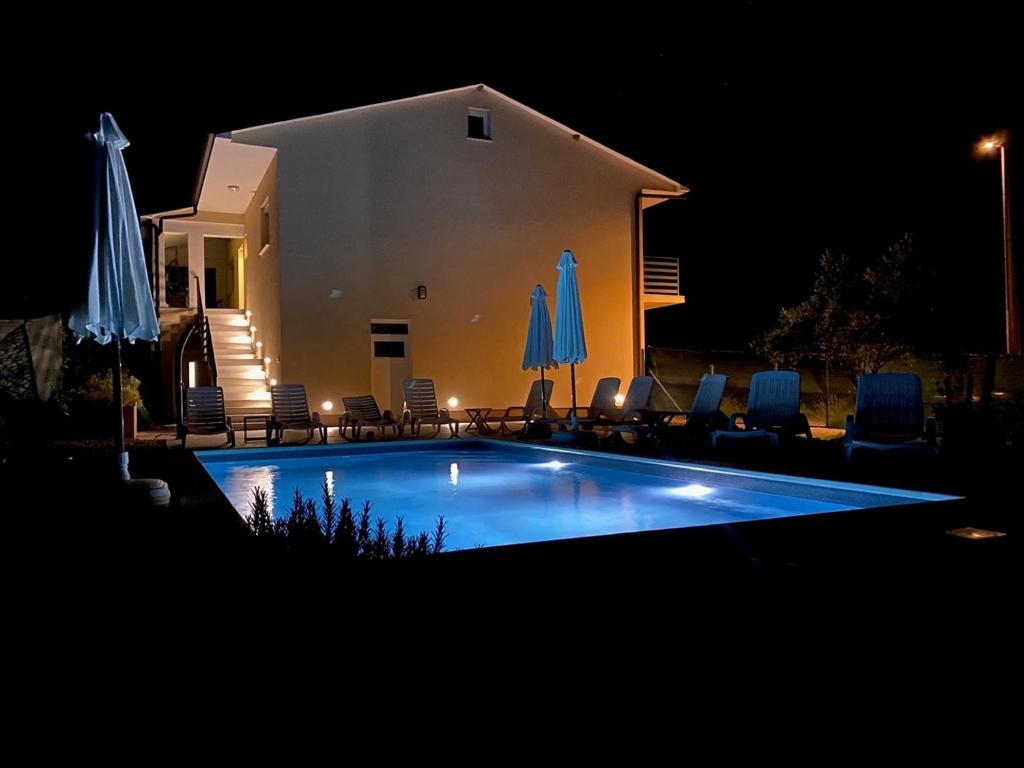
203,323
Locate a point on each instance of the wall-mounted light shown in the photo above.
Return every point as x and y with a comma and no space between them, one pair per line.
248,314
453,402
273,382
266,361
421,291
233,187
252,329
327,405
259,345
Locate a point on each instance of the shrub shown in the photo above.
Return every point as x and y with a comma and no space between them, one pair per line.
840,404
337,531
100,388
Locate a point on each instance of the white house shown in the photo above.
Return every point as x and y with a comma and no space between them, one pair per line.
405,238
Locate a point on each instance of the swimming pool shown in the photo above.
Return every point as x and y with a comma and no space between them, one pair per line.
494,493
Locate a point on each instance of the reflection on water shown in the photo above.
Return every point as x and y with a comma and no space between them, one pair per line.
239,482
497,497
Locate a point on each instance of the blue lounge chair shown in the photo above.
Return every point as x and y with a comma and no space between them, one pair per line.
890,418
773,411
704,415
638,400
602,404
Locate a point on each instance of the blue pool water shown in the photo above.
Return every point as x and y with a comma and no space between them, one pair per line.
492,493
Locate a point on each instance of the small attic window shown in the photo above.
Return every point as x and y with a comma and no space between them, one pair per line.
478,124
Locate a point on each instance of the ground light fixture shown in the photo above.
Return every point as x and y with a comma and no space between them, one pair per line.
975,534
619,400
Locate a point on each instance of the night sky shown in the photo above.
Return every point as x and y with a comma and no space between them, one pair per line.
795,133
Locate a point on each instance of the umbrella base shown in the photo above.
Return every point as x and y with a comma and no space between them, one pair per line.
147,492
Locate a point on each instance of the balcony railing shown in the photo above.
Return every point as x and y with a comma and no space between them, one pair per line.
661,275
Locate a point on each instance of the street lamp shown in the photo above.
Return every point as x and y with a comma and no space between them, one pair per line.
1010,277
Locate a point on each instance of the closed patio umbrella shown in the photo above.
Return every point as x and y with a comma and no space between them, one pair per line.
539,351
118,303
570,342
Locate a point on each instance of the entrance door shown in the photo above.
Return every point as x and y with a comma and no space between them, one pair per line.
390,363
210,290
224,258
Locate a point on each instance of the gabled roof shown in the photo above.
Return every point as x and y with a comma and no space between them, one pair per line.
675,185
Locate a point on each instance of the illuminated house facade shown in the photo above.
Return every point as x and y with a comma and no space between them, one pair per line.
404,239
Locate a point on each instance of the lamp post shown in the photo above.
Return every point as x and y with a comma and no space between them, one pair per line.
1010,276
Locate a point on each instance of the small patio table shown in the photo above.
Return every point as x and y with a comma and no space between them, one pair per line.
478,419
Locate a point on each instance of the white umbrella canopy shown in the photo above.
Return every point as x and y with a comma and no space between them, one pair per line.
118,303
570,340
539,351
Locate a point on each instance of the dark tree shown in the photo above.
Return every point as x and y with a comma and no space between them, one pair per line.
859,317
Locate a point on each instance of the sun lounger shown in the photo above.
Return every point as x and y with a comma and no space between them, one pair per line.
204,414
363,411
290,410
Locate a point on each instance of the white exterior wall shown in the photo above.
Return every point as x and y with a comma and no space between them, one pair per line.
375,202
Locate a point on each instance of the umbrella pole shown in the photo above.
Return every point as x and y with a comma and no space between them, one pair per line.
122,454
543,400
572,381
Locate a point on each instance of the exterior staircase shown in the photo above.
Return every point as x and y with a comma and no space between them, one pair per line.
239,371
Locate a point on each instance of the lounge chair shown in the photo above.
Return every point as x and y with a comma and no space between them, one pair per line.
602,404
421,408
890,418
204,414
528,412
638,400
363,411
773,411
290,410
703,417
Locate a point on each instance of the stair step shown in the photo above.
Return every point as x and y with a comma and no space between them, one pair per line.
245,398
250,376
247,386
223,325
